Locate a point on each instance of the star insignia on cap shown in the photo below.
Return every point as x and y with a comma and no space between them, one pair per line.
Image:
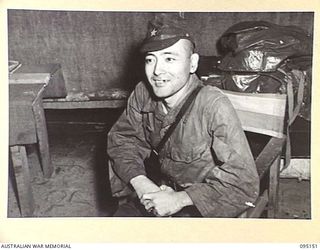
153,32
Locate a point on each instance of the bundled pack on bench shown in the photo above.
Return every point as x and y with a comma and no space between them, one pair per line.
262,57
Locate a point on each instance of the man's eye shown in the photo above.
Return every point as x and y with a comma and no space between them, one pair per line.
148,60
170,59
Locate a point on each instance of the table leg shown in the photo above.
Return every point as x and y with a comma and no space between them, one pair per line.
42,135
274,189
21,171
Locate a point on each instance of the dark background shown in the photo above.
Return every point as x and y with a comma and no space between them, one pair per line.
99,50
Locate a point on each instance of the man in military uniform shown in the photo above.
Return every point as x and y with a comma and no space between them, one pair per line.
206,164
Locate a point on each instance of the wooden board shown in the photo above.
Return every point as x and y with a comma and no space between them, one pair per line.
49,75
260,113
63,104
18,158
22,126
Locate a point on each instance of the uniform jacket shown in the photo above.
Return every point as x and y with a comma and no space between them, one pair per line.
207,154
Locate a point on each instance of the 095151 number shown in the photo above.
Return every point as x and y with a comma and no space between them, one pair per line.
308,246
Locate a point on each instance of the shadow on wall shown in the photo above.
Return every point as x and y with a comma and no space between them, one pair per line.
134,68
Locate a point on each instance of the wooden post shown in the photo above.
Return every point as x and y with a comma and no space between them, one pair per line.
33,159
22,176
274,188
42,135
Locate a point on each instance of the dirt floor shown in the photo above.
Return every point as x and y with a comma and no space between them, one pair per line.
79,187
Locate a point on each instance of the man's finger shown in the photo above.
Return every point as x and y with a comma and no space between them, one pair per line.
149,206
144,202
148,196
166,188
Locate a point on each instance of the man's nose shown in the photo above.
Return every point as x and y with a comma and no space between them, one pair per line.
158,68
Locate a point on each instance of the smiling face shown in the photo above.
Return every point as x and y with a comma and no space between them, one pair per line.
168,70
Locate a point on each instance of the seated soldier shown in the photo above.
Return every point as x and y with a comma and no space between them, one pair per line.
206,167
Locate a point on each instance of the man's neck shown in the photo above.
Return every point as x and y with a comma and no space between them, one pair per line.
172,101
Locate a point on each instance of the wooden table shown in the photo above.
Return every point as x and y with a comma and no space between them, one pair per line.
27,126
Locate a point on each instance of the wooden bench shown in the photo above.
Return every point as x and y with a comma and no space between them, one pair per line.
264,114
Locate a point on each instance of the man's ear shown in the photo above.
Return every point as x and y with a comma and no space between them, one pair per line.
194,62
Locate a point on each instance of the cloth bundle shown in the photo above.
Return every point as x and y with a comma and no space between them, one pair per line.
262,57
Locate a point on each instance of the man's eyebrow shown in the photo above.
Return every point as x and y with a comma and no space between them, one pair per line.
149,54
170,53
163,53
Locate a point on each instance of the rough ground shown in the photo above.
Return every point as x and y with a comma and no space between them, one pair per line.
78,187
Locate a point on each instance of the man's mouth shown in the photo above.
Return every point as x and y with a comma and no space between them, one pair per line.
160,82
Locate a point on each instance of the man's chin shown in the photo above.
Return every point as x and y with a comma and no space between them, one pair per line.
161,94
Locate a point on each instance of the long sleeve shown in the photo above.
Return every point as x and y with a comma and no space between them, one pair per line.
127,147
231,186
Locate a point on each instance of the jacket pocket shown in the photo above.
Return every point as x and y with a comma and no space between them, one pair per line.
148,126
187,153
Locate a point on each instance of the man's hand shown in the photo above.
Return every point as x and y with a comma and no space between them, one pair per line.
165,202
143,185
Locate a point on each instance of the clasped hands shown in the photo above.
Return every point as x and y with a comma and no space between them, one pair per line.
161,201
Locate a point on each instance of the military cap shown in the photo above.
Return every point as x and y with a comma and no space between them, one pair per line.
162,33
